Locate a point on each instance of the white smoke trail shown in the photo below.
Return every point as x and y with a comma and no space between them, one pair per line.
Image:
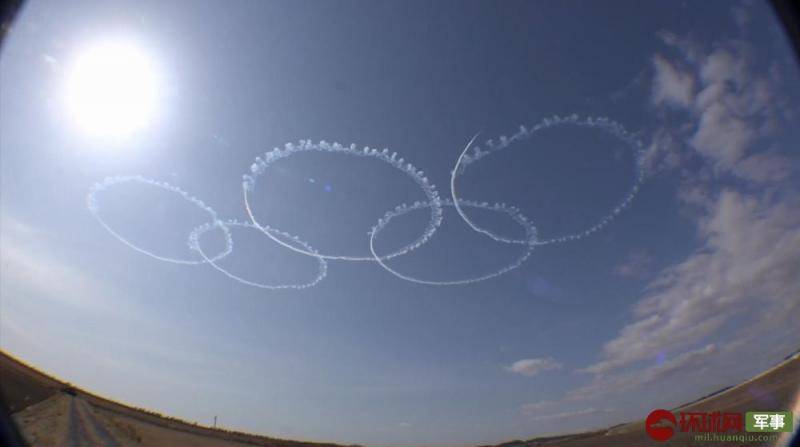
530,237
433,202
109,182
194,244
605,124
393,159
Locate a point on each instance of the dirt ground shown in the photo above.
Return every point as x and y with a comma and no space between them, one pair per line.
63,420
50,412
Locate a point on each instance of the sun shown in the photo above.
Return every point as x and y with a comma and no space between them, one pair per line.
112,89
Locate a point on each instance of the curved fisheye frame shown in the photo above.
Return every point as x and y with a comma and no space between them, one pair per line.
562,223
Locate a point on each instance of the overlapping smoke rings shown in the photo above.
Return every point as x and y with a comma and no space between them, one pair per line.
602,123
194,244
260,165
529,242
110,182
433,203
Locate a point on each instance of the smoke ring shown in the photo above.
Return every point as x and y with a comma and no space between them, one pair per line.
194,244
260,165
610,126
91,204
530,231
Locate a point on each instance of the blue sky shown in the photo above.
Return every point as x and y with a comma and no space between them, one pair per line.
657,308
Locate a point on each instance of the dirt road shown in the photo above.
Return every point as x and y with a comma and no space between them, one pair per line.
68,421
85,429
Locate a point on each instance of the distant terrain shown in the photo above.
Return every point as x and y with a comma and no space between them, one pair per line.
50,412
775,389
53,413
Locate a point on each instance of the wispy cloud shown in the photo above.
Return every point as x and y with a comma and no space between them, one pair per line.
671,85
571,414
29,268
738,289
532,367
532,408
747,267
729,105
637,263
690,362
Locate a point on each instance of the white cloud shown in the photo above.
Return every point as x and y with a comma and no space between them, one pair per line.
730,107
765,167
743,279
748,262
571,414
29,268
696,194
691,50
663,154
722,136
637,263
723,65
740,15
532,408
748,266
735,296
687,363
671,86
532,367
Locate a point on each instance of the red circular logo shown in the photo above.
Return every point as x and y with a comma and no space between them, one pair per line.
655,426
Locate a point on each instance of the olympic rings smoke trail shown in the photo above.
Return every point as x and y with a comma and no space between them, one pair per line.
91,204
260,165
433,202
530,233
602,123
194,243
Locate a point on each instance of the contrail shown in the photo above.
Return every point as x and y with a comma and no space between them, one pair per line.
194,243
110,182
602,123
393,159
530,236
433,203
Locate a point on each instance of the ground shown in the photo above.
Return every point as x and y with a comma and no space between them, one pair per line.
50,412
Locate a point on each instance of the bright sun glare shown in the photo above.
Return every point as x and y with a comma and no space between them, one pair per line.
112,89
